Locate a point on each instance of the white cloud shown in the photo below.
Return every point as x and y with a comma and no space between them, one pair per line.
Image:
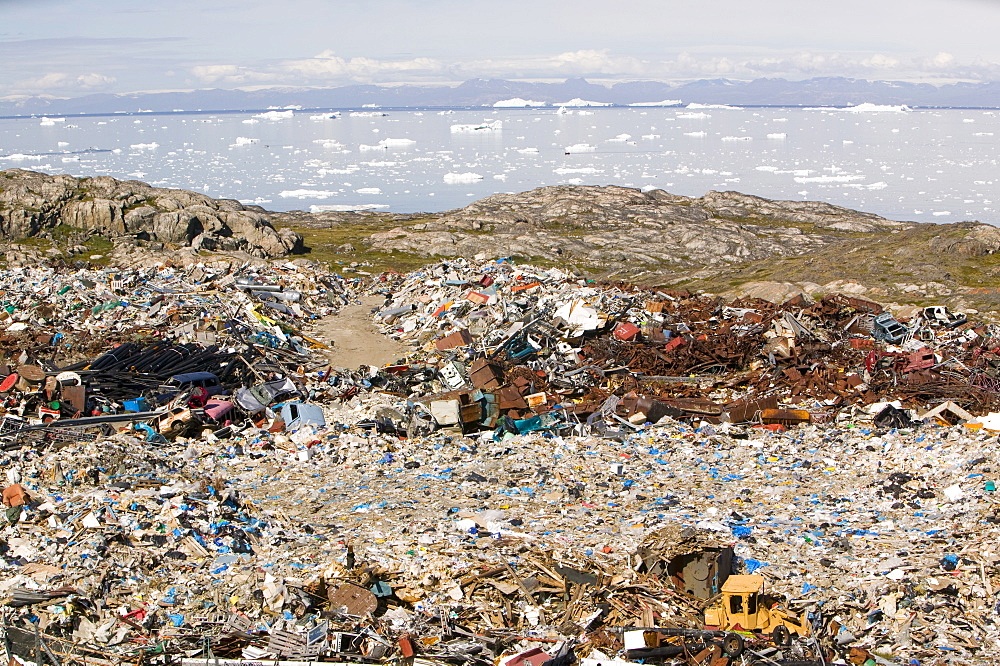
64,82
328,68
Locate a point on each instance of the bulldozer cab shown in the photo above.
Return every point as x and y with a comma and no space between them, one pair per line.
741,597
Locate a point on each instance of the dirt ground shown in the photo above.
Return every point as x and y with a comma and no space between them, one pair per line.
355,339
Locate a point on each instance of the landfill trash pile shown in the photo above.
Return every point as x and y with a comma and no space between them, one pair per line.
560,472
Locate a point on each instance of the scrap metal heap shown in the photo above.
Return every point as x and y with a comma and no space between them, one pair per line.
559,472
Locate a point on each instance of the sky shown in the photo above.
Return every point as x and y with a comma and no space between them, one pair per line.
69,48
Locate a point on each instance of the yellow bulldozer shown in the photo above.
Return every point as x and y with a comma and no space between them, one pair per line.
743,606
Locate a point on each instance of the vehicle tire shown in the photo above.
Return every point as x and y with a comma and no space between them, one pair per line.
732,645
781,636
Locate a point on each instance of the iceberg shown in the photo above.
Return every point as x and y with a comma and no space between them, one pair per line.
868,107
455,178
666,102
695,105
576,102
485,126
343,208
517,103
385,144
275,115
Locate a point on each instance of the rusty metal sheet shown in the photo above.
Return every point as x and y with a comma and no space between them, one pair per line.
355,599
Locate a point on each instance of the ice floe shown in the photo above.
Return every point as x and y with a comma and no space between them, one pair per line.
485,126
385,144
145,146
306,194
457,178
580,148
344,208
577,102
517,103
666,102
244,141
275,115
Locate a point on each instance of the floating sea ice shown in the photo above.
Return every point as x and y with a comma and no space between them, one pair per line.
576,101
527,151
244,141
306,194
485,126
250,121
367,114
368,190
328,143
580,148
942,212
575,181
621,138
62,144
666,102
145,146
696,134
325,116
868,107
693,116
456,178
51,121
275,115
737,138
517,103
766,168
777,135
71,159
650,136
343,208
695,105
396,143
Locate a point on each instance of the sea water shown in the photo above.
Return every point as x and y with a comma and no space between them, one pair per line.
922,165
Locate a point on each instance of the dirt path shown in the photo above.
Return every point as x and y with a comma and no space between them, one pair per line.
356,340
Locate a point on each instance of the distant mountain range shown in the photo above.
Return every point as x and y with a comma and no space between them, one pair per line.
826,91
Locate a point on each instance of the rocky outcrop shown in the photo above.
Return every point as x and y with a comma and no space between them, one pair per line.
608,225
33,203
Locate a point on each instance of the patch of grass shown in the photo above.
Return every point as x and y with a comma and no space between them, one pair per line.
35,242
